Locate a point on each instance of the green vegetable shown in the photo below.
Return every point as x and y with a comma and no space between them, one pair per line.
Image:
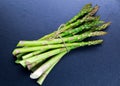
40,56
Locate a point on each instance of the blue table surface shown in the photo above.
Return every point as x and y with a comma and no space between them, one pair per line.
32,19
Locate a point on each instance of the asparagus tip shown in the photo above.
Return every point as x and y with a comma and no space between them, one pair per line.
103,33
95,9
105,25
94,42
97,33
108,23
99,41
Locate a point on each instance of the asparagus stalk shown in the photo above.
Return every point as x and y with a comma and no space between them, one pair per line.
56,41
32,54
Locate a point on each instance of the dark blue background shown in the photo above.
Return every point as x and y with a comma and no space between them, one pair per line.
32,19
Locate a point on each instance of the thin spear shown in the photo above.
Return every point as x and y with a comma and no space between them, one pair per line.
93,11
56,41
102,27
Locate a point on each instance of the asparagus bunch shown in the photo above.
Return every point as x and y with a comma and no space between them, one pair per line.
40,56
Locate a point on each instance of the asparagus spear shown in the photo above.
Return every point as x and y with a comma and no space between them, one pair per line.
55,41
102,27
32,54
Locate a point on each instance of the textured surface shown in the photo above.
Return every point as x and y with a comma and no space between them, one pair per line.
31,19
